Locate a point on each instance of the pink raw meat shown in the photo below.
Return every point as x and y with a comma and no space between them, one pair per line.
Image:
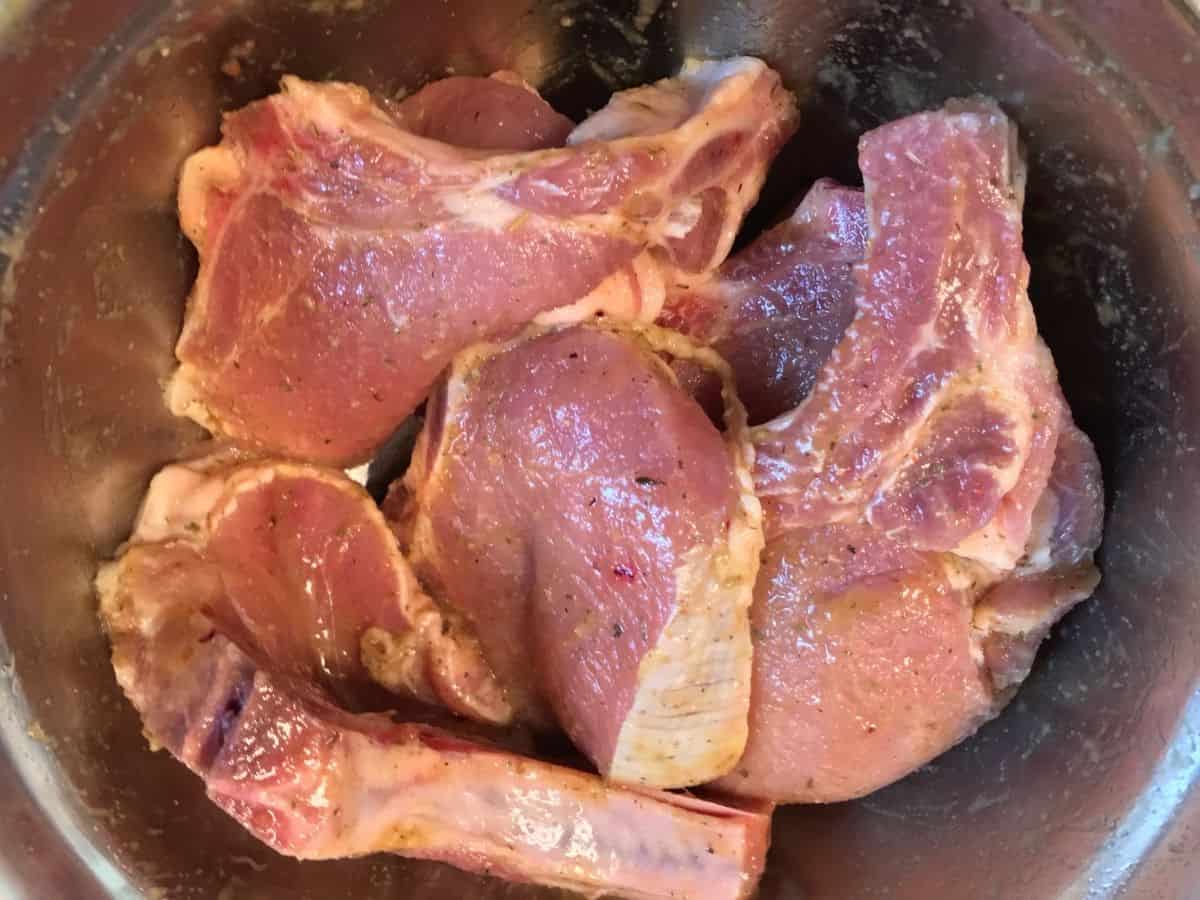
602,537
776,310
311,575
344,260
496,113
865,664
940,394
316,782
931,509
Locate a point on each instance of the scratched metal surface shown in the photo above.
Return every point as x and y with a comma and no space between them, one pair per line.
1085,787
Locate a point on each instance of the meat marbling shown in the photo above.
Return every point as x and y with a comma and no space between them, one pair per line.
940,392
931,509
344,260
222,678
575,505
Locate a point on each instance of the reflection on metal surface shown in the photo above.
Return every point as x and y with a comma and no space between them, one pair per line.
1175,776
1081,779
26,751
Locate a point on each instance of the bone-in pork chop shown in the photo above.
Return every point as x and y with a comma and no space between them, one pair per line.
344,260
601,535
311,575
931,509
314,781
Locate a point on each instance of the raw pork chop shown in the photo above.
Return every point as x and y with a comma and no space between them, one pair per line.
582,512
935,416
344,260
776,310
313,781
931,509
312,576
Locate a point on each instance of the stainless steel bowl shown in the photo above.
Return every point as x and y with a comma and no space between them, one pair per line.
1084,787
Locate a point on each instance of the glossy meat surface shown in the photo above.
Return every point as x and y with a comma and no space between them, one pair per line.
931,509
777,309
865,665
601,536
344,260
940,393
310,574
316,782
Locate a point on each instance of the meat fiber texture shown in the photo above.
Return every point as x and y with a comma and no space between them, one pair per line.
312,576
234,614
776,310
930,507
344,259
573,504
